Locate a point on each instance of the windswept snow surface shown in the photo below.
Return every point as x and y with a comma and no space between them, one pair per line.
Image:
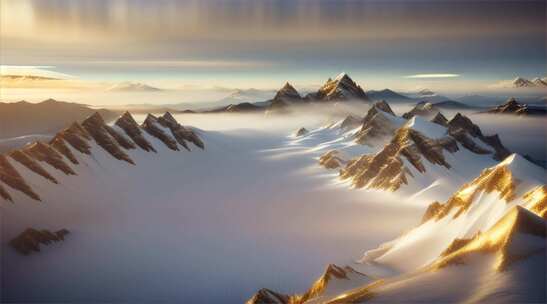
253,209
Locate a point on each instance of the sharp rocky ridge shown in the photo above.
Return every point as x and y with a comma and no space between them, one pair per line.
79,140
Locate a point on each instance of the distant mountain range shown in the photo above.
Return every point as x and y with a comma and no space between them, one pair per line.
512,106
522,83
132,87
49,116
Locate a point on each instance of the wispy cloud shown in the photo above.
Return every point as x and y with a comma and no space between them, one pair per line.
179,63
433,76
32,70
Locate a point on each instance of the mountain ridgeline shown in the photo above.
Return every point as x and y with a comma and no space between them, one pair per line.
67,148
340,89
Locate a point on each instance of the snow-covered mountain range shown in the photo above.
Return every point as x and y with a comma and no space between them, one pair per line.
482,234
77,144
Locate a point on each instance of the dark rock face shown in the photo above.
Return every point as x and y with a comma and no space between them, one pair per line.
440,119
340,89
383,106
77,137
29,240
302,132
12,178
31,164
4,194
462,124
181,133
45,153
376,124
287,94
243,107
463,138
59,144
131,128
122,140
95,126
150,125
267,296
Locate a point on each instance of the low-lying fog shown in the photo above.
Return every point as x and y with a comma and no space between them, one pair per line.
525,135
253,210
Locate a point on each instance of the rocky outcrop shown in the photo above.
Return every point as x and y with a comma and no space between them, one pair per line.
58,143
302,131
386,169
331,160
243,107
30,240
77,137
320,290
266,296
45,153
424,109
512,106
465,140
31,164
440,119
151,125
380,122
132,129
4,194
181,134
340,89
460,126
95,126
12,178
122,140
287,94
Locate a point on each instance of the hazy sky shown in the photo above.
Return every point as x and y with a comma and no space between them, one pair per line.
264,43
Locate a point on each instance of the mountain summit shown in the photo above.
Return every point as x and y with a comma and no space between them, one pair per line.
341,88
287,93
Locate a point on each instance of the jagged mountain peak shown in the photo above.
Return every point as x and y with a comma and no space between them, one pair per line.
383,106
287,93
341,88
170,118
520,82
95,118
343,76
440,119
